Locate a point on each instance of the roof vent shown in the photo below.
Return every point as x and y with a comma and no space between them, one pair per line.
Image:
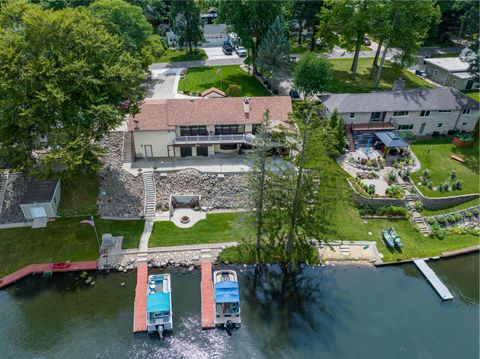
398,85
246,105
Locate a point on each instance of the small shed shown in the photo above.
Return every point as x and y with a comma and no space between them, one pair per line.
41,199
213,92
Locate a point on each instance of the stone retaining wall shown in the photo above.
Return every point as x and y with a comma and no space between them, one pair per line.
376,202
434,203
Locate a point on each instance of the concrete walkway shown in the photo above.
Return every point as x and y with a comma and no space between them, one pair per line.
147,232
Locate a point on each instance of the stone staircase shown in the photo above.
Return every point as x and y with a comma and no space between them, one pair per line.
3,188
127,154
411,198
351,143
149,194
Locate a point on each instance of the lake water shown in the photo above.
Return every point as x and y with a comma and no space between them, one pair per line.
329,312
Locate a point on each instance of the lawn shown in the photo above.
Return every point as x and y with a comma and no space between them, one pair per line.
202,78
172,55
79,195
475,94
65,239
218,227
434,155
342,82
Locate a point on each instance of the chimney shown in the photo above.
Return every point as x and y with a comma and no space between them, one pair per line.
246,105
398,85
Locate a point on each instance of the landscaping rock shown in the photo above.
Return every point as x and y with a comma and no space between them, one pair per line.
11,211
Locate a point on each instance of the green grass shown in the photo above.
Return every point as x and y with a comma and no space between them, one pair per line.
79,195
171,55
435,155
65,239
365,48
216,228
202,78
475,94
447,54
427,213
342,82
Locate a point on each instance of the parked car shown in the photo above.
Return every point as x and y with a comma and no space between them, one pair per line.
367,42
241,51
227,48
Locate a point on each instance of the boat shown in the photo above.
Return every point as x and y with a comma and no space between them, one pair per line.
387,237
159,304
227,299
396,238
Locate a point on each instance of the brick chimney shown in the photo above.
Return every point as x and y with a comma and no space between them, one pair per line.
246,105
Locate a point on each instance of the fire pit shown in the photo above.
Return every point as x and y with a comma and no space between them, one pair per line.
185,219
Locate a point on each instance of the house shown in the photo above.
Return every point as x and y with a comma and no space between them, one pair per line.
41,199
202,126
212,92
451,71
421,111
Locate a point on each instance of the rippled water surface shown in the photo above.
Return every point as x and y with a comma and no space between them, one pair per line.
330,312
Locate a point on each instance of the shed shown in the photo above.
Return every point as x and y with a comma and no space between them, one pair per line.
41,199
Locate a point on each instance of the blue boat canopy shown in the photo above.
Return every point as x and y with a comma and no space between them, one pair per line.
226,292
391,139
158,302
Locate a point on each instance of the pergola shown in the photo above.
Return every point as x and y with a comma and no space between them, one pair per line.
390,140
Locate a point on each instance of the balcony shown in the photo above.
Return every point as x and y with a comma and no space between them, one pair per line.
213,139
373,126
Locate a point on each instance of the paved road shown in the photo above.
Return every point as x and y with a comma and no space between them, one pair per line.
197,63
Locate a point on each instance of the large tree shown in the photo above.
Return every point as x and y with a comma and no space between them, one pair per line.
250,20
185,16
304,13
274,52
312,74
63,76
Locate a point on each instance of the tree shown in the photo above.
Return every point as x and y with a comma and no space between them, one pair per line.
305,15
409,25
125,20
250,20
274,52
312,74
65,84
345,23
234,91
474,60
151,8
187,24
469,15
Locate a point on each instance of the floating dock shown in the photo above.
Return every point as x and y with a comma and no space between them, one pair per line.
45,267
436,283
140,306
207,296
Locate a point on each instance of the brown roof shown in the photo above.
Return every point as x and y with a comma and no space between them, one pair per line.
212,89
158,115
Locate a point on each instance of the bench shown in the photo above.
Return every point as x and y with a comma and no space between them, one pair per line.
456,158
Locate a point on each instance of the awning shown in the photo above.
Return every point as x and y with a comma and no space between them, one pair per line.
158,302
226,292
391,139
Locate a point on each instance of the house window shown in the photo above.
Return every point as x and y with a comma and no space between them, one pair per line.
440,125
435,72
229,146
464,123
229,129
444,111
400,113
425,114
376,117
352,115
405,127
193,130
466,112
454,82
256,127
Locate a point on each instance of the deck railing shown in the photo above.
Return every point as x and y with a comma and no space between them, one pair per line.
210,139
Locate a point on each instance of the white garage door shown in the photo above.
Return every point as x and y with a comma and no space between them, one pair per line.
38,212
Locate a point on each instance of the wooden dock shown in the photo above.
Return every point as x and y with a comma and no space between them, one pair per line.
436,283
140,305
46,267
207,296
461,251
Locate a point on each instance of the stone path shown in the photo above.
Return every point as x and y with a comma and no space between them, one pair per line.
411,198
147,232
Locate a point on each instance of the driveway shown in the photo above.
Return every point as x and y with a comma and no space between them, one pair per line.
163,84
216,53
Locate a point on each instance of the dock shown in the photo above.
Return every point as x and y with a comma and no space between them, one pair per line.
140,305
207,296
461,251
45,267
436,283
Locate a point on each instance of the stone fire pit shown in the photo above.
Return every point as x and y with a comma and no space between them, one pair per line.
185,219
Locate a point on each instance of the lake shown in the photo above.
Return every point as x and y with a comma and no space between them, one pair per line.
319,312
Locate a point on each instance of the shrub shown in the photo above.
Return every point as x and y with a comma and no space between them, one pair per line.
392,176
457,185
234,91
458,217
475,211
392,211
394,191
370,189
442,220
453,176
419,206
425,173
468,214
374,163
451,219
443,187
437,232
425,181
431,221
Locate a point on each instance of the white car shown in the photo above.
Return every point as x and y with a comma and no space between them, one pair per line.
241,51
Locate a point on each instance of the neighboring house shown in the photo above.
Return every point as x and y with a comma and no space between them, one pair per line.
421,111
451,71
202,126
41,199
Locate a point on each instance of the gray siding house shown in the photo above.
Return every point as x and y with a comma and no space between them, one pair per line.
41,199
421,111
450,71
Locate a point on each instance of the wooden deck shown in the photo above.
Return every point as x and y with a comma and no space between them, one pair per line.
45,267
140,305
436,283
207,296
373,126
